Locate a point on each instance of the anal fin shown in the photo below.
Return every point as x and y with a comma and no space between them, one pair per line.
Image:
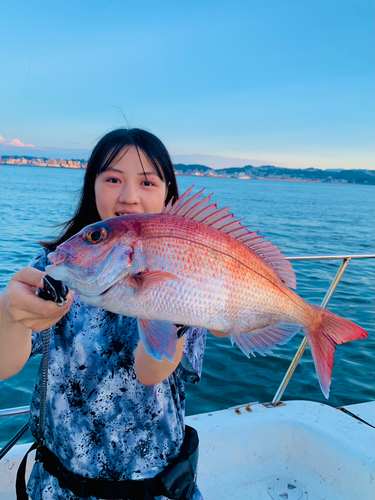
263,341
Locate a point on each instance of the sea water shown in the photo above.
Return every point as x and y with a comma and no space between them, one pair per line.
302,218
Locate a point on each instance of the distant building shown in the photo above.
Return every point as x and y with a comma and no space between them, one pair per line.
52,163
38,162
63,163
73,164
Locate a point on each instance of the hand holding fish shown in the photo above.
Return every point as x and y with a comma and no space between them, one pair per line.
25,307
196,265
21,311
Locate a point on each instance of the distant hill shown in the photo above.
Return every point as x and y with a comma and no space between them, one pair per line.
356,176
185,168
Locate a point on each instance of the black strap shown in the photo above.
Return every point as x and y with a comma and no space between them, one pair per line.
20,480
85,487
177,481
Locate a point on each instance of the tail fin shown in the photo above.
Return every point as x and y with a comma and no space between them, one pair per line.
323,337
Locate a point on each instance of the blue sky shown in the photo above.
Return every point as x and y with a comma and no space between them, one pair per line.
222,83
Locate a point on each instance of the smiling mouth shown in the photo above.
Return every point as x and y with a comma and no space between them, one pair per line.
119,214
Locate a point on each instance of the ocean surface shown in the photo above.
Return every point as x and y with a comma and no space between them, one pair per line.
302,218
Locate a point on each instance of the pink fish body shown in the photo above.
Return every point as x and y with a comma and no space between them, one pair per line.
195,265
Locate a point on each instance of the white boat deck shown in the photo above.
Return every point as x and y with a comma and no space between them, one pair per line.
301,450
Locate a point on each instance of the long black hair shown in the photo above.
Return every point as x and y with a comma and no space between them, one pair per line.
104,153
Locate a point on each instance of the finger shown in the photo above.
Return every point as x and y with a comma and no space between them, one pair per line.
50,309
25,306
30,276
46,314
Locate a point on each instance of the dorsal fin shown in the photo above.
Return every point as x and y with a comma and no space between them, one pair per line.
203,211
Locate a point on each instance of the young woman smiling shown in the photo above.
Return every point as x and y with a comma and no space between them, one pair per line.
114,415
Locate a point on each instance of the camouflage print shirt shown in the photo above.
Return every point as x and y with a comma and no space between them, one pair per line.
100,421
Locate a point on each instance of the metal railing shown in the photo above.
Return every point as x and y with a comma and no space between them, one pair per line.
336,280
345,262
19,410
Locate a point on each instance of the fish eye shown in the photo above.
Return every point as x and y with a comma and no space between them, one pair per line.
96,235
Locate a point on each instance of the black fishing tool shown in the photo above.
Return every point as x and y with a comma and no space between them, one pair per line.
53,290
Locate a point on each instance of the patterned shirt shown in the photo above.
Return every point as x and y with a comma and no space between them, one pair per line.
101,422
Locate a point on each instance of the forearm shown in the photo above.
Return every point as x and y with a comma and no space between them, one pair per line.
216,333
149,370
15,343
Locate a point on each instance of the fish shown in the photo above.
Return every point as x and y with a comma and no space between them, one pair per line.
197,265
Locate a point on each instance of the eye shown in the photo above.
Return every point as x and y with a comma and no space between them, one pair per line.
96,235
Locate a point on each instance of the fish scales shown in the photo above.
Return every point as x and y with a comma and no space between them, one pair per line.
209,289
177,267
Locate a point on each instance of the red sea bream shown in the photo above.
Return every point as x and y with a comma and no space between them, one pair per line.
195,265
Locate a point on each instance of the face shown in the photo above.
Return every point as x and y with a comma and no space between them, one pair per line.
125,189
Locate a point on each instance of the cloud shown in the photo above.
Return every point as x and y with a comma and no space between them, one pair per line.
18,144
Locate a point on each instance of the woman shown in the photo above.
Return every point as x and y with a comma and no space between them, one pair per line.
113,413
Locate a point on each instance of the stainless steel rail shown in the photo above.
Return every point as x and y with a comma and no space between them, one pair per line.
332,288
331,257
19,410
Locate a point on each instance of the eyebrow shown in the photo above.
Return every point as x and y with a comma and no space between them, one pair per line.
114,169
148,173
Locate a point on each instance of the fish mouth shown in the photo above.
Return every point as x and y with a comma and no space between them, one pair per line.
102,292
79,286
97,295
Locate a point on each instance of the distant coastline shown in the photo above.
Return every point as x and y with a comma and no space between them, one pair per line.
42,162
272,173
248,172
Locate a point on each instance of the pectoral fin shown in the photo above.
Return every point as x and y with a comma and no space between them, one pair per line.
148,279
158,337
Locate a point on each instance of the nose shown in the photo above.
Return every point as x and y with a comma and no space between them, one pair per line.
129,194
